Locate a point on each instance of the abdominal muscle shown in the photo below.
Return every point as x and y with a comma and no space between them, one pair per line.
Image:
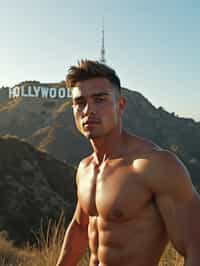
134,242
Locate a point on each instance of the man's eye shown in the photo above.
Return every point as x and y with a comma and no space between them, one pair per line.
98,100
80,103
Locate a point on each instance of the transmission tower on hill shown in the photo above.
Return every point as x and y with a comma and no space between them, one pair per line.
102,57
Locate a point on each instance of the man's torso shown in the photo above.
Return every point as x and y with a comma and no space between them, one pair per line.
125,227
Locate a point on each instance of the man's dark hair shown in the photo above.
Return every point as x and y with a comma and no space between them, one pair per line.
88,69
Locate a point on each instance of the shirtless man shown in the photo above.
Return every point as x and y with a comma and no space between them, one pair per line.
133,197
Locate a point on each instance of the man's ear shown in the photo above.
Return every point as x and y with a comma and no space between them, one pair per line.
122,104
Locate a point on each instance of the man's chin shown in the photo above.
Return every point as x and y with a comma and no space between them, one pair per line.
91,135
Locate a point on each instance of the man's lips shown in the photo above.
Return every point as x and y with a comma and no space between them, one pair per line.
91,122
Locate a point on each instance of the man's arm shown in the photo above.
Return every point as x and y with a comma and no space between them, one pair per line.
75,240
179,205
76,237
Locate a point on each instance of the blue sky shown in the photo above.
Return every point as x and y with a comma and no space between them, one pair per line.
153,45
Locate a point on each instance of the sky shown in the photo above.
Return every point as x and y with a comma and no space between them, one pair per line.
154,46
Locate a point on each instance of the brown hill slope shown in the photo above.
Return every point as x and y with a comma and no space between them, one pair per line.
33,185
141,117
48,124
23,116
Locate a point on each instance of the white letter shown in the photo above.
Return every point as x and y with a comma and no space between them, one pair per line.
29,92
12,93
17,91
52,93
69,93
61,92
36,90
22,91
44,91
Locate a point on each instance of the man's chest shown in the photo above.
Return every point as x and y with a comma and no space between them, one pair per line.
114,192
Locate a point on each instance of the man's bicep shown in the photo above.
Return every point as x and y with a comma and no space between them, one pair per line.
177,201
181,214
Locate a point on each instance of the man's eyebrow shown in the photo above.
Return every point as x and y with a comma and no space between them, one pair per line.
100,94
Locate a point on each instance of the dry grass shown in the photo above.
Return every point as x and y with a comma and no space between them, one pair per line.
48,248
46,253
171,257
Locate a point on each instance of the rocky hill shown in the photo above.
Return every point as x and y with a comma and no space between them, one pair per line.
48,124
33,186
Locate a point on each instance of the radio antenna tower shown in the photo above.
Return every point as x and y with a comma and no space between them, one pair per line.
102,58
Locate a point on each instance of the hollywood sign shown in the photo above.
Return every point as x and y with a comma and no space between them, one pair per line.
41,91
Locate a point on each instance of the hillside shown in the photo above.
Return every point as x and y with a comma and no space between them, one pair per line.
33,186
48,124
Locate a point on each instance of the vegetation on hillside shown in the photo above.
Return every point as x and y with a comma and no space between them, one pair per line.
48,247
33,185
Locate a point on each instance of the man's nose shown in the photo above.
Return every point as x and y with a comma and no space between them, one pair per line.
89,108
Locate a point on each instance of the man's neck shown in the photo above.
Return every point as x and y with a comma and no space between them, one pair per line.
107,147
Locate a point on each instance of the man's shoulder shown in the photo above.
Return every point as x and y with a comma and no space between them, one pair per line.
161,170
85,161
150,154
156,160
165,161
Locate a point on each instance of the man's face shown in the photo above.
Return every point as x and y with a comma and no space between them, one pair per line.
96,108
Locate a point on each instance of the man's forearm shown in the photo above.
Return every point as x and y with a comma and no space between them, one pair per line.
74,246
